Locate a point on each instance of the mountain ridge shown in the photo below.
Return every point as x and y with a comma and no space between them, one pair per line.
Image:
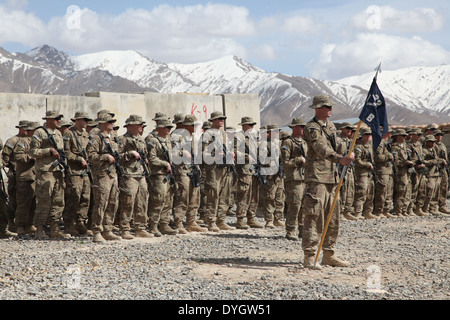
411,94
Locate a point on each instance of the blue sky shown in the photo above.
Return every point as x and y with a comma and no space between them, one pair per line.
322,39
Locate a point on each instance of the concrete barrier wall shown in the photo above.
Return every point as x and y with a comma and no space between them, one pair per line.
16,106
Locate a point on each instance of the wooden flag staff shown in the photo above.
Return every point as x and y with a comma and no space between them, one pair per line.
343,174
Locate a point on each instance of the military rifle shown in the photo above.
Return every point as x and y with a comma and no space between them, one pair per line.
419,161
411,170
394,168
115,155
171,175
62,161
88,169
195,175
443,156
373,173
230,167
256,168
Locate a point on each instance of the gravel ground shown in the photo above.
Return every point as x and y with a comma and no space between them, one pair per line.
412,255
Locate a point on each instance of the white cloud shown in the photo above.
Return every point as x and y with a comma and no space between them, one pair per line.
367,50
303,24
19,26
386,18
166,33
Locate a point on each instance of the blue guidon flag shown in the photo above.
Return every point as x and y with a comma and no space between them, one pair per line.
374,113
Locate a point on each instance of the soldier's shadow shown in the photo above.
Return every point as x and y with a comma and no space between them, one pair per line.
247,263
228,235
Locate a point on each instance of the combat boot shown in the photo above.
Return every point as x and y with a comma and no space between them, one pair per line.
309,262
278,223
369,215
98,238
359,216
194,227
20,230
110,236
420,213
348,216
81,228
241,224
143,234
212,226
180,228
269,225
444,210
126,235
388,215
30,229
56,233
222,225
164,228
154,230
69,227
40,233
290,235
252,223
7,234
330,259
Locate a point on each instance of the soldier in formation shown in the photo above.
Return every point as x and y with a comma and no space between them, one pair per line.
80,177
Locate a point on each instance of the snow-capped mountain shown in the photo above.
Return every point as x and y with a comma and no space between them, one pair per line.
413,95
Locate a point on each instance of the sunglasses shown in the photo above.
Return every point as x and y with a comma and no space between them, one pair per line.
328,107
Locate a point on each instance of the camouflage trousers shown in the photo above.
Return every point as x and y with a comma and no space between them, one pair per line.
316,205
49,198
78,197
254,199
443,190
105,191
160,200
400,189
273,198
383,189
431,203
419,192
364,193
244,196
294,196
26,203
133,203
216,192
186,205
12,192
347,193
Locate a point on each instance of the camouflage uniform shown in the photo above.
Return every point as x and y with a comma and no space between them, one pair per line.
79,190
273,191
432,161
385,178
49,180
347,192
162,191
418,193
9,161
4,232
443,183
364,178
321,179
293,154
401,179
26,184
187,203
105,188
245,147
133,196
215,175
